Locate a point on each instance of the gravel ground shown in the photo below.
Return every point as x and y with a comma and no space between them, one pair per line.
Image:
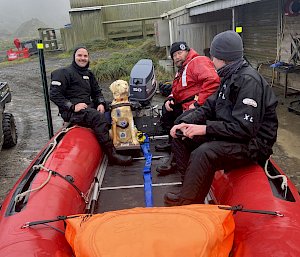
28,108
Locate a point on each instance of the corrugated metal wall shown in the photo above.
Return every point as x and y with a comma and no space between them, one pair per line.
68,38
260,27
198,31
87,24
127,12
85,3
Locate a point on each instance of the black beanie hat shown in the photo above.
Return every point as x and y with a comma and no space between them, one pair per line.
177,46
227,46
76,49
75,64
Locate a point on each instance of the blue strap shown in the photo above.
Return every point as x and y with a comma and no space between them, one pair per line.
147,172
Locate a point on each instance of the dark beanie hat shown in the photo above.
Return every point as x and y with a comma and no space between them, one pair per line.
177,46
227,46
76,49
75,64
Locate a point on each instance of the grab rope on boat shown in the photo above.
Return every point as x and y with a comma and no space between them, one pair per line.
240,208
43,222
284,185
68,179
53,145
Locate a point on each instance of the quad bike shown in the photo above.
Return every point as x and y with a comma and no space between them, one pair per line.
8,131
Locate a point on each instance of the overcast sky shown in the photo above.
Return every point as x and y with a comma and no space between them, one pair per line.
54,13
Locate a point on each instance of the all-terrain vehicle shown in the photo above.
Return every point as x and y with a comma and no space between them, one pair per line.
8,131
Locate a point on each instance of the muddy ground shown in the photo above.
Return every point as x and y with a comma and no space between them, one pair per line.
28,108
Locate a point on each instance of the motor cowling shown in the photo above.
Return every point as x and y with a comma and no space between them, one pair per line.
142,82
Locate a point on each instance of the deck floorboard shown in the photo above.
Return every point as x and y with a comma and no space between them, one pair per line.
116,195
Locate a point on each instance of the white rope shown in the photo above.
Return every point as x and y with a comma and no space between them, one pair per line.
19,197
41,166
284,185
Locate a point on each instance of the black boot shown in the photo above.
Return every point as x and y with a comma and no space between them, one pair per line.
168,167
164,147
114,157
174,199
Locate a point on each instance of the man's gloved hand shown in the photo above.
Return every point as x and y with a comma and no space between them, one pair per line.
101,108
169,104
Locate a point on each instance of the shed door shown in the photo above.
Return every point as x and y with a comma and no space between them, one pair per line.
260,23
193,34
200,35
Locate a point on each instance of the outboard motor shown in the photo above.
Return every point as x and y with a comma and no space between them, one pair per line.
143,86
142,82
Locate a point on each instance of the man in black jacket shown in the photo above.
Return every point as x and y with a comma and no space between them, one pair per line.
235,126
75,91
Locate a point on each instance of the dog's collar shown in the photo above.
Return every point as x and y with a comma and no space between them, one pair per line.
113,106
121,99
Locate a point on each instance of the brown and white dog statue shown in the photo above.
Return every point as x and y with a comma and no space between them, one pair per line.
124,133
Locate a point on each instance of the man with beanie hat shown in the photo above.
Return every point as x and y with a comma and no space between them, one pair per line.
236,126
195,80
75,91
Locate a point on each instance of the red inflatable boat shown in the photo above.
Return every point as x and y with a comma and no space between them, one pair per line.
261,233
66,167
68,174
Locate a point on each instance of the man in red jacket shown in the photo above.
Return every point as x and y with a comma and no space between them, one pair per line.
195,80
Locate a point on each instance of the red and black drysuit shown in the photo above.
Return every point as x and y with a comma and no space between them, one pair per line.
193,83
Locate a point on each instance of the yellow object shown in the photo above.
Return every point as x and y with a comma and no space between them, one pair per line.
40,46
123,129
238,29
140,137
190,230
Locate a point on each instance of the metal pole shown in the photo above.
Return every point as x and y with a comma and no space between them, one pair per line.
40,47
233,18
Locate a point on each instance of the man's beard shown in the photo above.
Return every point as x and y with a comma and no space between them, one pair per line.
178,64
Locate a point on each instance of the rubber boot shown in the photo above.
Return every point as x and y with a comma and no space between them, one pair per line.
114,157
174,199
168,167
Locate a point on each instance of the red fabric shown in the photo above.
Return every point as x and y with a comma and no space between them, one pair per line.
202,80
17,43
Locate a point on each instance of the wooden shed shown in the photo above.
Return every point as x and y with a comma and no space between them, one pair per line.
269,33
106,19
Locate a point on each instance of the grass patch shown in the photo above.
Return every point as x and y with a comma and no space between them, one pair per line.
125,54
119,65
6,44
97,45
100,45
10,63
64,55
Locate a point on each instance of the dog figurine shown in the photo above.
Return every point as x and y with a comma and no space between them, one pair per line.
124,133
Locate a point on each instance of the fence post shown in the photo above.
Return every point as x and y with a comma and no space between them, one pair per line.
144,31
40,47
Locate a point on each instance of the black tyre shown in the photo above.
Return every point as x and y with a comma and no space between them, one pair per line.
9,131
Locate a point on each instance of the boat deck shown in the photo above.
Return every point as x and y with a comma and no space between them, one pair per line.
123,187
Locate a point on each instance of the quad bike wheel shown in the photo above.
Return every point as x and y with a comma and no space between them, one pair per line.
9,131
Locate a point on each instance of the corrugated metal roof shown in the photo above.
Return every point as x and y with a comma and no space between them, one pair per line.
176,10
92,8
205,6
